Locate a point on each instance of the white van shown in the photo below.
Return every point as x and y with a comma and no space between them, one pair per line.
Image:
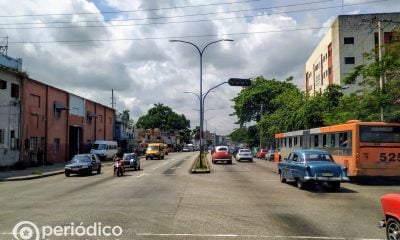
104,149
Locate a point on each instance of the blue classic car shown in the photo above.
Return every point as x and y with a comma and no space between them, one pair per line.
312,166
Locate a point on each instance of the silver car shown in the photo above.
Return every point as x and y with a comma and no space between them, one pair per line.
244,154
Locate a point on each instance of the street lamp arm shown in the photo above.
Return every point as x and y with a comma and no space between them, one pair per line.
221,40
194,45
197,95
209,90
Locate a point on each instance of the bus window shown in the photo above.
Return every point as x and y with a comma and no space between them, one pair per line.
301,141
316,143
324,140
290,141
332,139
295,141
285,143
343,140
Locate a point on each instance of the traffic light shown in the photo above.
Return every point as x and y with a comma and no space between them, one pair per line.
241,82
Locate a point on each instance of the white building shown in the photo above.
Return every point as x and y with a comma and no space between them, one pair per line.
10,110
343,47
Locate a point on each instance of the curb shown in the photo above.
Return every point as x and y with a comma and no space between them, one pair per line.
30,177
45,174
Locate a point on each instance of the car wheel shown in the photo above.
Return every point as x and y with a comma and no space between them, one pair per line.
336,187
99,170
67,174
213,162
392,229
230,162
300,184
281,178
147,158
90,171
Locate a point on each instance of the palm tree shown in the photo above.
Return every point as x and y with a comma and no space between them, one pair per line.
124,119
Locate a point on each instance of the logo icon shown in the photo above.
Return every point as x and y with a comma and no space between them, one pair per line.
26,230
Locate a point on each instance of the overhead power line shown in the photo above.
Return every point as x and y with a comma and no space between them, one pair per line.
164,38
192,21
169,17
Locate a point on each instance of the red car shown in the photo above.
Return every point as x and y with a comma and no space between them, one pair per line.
391,210
221,153
261,153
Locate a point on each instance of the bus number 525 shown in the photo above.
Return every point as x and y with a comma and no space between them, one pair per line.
391,157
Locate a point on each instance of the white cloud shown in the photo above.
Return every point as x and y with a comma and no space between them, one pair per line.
148,68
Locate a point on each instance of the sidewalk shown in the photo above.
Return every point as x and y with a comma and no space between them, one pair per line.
32,172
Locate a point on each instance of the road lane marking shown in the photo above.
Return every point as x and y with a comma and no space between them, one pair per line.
247,235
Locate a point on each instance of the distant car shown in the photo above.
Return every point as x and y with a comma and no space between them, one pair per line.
261,153
391,211
221,153
244,154
186,149
312,166
131,160
270,155
83,164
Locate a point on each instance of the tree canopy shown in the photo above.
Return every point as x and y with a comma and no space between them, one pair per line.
162,117
272,106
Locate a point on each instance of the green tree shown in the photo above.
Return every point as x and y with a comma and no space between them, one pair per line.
124,116
162,117
372,98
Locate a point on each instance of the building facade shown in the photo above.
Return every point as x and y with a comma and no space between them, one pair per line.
57,124
10,111
41,124
342,48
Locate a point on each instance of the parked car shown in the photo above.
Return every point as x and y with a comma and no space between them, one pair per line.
312,166
221,153
104,149
244,154
83,164
261,153
131,160
391,211
270,155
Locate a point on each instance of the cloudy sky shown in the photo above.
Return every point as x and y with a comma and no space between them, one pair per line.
90,47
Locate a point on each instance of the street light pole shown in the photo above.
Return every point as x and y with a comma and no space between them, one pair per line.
201,87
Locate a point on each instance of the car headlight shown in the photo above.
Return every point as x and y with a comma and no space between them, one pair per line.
68,168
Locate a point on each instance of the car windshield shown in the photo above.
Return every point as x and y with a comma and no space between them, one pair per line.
313,157
244,151
128,156
100,146
222,149
152,148
81,159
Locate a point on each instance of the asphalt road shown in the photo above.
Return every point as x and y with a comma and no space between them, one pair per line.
164,201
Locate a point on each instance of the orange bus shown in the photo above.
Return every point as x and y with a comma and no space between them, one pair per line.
365,148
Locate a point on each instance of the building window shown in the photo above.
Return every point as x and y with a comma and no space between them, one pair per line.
14,90
2,136
56,145
349,40
33,144
349,60
3,84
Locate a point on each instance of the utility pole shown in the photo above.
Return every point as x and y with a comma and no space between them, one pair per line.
380,55
112,99
261,113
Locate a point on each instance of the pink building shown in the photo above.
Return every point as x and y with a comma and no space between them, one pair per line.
57,124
